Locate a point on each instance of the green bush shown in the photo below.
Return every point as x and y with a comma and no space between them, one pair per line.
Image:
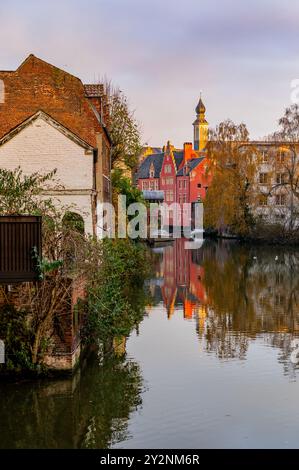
17,337
116,296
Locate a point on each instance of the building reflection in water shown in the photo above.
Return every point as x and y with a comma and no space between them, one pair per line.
180,280
234,293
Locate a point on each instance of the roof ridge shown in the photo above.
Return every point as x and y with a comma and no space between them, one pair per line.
32,56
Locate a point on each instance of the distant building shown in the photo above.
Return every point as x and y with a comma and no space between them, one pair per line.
180,173
201,127
48,120
183,176
277,185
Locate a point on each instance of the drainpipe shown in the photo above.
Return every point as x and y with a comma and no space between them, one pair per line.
110,160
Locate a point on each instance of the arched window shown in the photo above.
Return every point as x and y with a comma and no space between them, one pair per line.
2,91
74,221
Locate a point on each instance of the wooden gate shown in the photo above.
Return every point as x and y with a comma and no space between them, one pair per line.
20,245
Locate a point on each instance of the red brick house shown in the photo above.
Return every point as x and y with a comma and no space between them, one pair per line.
50,119
181,174
168,172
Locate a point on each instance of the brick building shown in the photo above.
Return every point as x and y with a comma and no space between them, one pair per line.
49,119
182,176
180,173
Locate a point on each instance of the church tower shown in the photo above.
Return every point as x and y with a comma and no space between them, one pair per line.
201,127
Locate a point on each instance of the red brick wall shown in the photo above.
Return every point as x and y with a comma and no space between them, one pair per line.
150,184
183,189
199,177
168,179
37,85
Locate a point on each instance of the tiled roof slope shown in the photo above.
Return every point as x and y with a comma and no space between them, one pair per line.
191,165
178,157
94,90
157,160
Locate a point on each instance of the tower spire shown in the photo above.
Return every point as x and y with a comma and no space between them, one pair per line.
200,126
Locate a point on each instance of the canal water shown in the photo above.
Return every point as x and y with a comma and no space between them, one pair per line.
213,364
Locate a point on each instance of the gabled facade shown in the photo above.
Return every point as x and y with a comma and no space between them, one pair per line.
168,175
181,174
41,144
67,123
149,172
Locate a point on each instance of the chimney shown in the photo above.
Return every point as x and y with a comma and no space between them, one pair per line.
188,152
98,97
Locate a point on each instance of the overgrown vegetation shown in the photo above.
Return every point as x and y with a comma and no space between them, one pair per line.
121,184
18,336
35,313
32,313
116,298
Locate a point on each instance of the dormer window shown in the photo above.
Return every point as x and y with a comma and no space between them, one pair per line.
186,170
2,92
152,171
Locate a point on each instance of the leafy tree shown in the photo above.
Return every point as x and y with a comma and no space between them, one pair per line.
122,185
232,193
20,194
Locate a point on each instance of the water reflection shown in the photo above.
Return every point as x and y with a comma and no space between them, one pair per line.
91,410
234,293
215,353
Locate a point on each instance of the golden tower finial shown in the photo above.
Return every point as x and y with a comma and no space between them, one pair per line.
200,126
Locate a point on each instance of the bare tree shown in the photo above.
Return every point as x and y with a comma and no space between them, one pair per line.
285,172
124,129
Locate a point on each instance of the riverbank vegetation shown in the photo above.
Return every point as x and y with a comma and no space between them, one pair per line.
110,273
34,315
116,298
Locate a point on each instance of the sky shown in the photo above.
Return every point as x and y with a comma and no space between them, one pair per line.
242,55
